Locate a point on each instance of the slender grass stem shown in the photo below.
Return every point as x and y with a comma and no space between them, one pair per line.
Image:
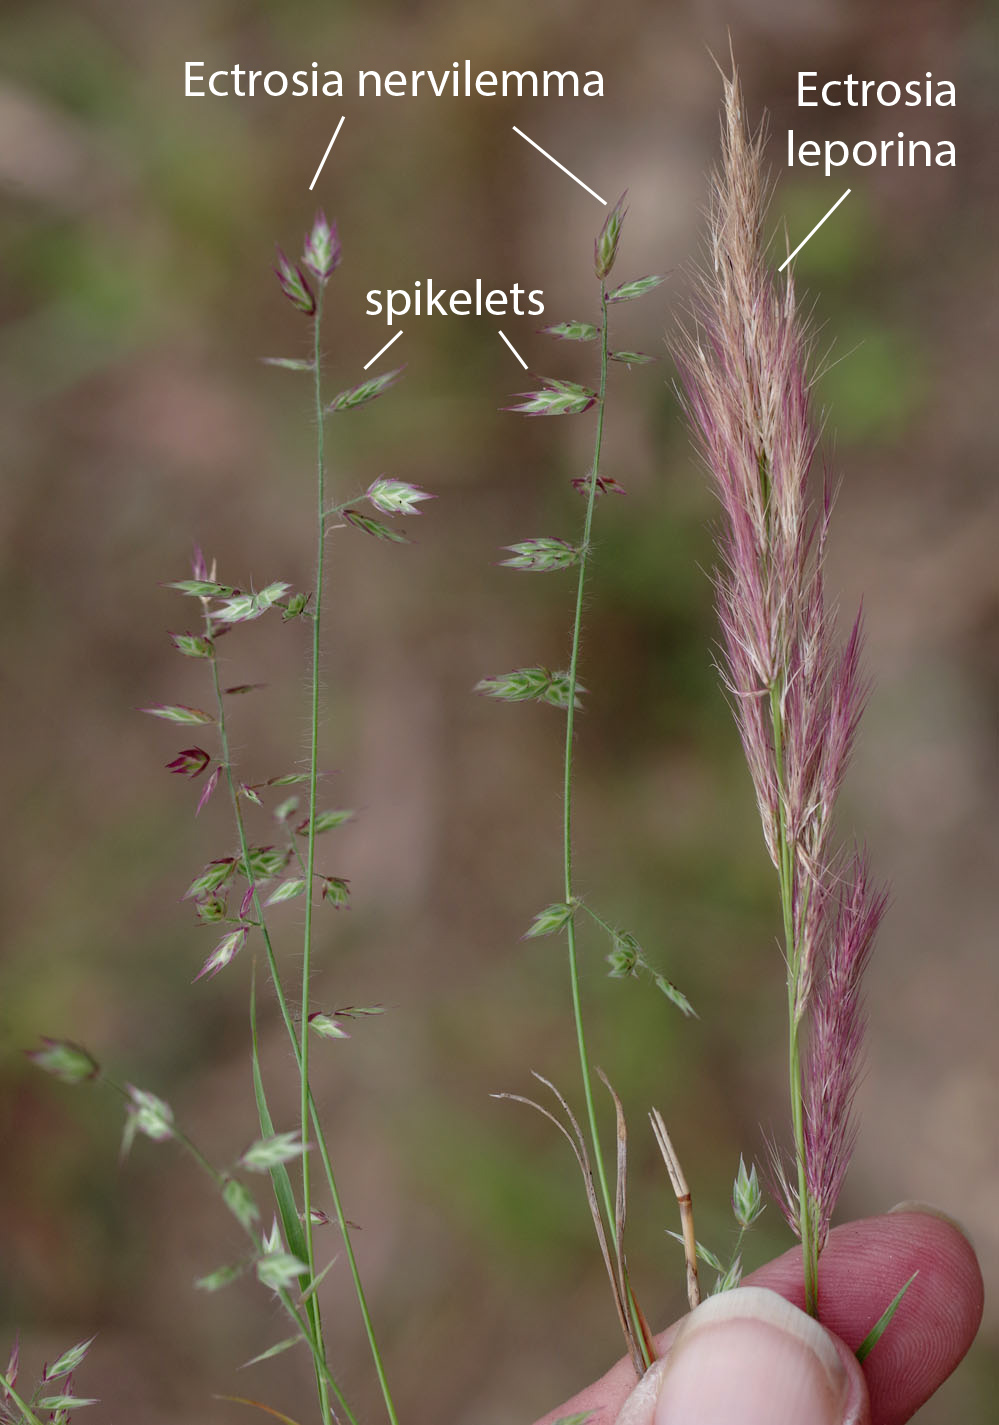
577,627
793,954
310,858
312,1306
299,1038
285,1009
355,1273
598,919
640,1334
567,866
309,1112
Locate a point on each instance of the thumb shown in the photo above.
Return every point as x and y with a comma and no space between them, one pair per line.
751,1356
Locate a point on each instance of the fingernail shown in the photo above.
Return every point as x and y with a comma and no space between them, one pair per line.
913,1205
746,1356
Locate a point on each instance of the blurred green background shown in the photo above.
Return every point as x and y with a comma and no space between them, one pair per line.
135,240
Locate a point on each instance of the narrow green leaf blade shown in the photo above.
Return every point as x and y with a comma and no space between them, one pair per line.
883,1322
284,1194
276,1350
313,1286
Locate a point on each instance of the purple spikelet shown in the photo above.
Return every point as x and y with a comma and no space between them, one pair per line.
294,284
745,369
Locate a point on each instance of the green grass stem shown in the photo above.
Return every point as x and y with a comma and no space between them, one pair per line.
794,956
567,788
299,1040
567,784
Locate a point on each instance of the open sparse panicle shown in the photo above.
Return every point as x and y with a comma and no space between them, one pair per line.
562,689
746,369
236,891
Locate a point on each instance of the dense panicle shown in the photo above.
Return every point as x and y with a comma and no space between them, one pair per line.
745,376
240,892
836,1040
746,372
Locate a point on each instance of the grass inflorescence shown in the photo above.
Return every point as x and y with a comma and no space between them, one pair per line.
747,372
237,891
563,689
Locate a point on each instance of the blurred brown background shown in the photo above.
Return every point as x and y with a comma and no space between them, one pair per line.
136,236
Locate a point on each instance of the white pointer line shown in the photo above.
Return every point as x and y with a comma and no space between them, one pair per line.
513,349
327,153
563,167
382,352
814,231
